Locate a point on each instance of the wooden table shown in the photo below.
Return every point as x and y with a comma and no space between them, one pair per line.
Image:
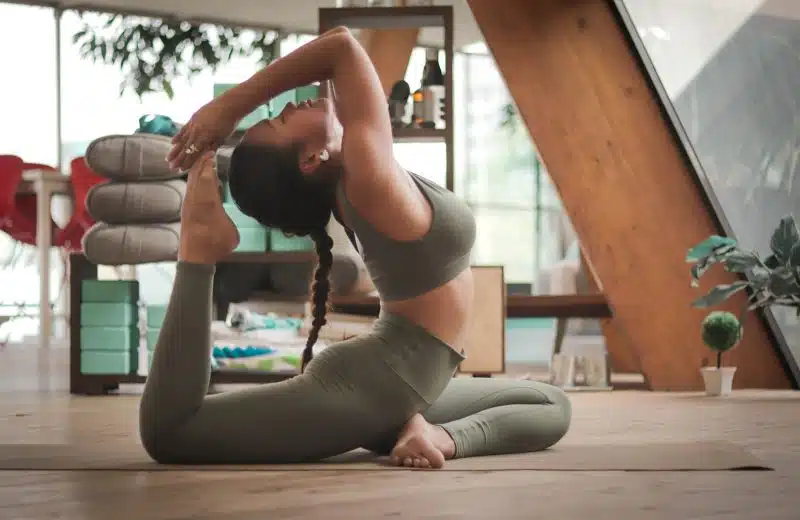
517,306
45,184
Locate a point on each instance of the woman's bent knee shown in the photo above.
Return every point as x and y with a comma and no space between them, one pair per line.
554,425
158,442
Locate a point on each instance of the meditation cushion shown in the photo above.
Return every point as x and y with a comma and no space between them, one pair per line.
126,158
106,244
137,202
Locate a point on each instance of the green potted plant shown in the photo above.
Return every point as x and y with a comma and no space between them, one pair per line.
770,281
721,331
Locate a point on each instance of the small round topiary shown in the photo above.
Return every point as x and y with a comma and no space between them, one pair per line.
721,331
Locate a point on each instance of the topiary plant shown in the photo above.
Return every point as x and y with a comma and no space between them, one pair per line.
774,280
721,331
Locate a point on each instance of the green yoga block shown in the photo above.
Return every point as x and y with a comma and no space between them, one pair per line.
240,220
280,242
155,316
307,93
110,339
104,362
253,240
109,314
256,116
152,338
110,291
278,103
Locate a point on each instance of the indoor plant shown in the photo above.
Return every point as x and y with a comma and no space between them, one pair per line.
772,280
152,53
721,331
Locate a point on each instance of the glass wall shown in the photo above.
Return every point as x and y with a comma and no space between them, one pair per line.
520,221
27,129
732,73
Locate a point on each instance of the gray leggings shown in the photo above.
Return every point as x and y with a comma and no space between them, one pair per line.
357,393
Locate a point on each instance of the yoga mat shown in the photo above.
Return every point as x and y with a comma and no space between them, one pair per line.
696,456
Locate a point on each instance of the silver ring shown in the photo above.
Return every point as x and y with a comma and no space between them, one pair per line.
191,149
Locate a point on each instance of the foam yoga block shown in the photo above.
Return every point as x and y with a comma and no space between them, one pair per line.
109,315
253,240
110,339
278,241
106,244
110,291
239,219
136,202
131,157
98,362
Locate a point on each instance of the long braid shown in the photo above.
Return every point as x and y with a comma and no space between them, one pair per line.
319,291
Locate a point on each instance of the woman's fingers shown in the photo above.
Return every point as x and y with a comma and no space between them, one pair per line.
184,152
179,142
181,133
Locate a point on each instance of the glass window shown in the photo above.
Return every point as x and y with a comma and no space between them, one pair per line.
28,129
28,96
732,73
502,177
506,237
89,113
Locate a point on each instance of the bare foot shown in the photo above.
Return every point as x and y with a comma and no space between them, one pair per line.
207,233
422,445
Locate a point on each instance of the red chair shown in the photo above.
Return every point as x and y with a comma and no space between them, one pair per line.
82,179
18,210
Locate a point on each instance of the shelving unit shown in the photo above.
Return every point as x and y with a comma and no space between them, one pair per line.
80,269
404,18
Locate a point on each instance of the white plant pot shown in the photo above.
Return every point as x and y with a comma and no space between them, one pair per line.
718,381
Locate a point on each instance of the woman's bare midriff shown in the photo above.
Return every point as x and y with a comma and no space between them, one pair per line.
444,312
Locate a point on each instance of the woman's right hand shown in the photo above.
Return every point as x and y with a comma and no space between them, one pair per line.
206,131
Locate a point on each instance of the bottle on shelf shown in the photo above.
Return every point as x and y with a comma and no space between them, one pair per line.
398,100
429,98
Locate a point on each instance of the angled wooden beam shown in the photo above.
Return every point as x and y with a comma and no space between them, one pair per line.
623,179
390,51
622,356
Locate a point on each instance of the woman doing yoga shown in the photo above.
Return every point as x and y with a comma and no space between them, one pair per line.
392,390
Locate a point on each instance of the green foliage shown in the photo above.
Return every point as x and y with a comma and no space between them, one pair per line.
721,331
774,280
153,53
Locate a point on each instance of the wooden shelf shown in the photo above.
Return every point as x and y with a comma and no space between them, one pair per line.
271,257
566,306
419,135
416,17
385,17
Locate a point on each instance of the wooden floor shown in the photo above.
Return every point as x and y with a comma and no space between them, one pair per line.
35,408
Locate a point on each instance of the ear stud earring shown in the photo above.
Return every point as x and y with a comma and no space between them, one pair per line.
324,155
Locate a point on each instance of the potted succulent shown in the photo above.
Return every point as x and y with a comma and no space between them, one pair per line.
772,280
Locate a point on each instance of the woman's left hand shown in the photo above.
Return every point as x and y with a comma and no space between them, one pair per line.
206,131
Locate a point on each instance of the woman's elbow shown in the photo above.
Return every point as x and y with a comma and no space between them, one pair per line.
341,30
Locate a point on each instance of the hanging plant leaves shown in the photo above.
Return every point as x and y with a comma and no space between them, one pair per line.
740,261
719,294
153,53
784,239
713,245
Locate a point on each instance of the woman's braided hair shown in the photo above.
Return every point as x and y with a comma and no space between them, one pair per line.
267,185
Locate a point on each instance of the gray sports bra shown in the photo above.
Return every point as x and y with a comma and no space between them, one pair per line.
405,269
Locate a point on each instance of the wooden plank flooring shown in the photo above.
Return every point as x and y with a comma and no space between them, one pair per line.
34,408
